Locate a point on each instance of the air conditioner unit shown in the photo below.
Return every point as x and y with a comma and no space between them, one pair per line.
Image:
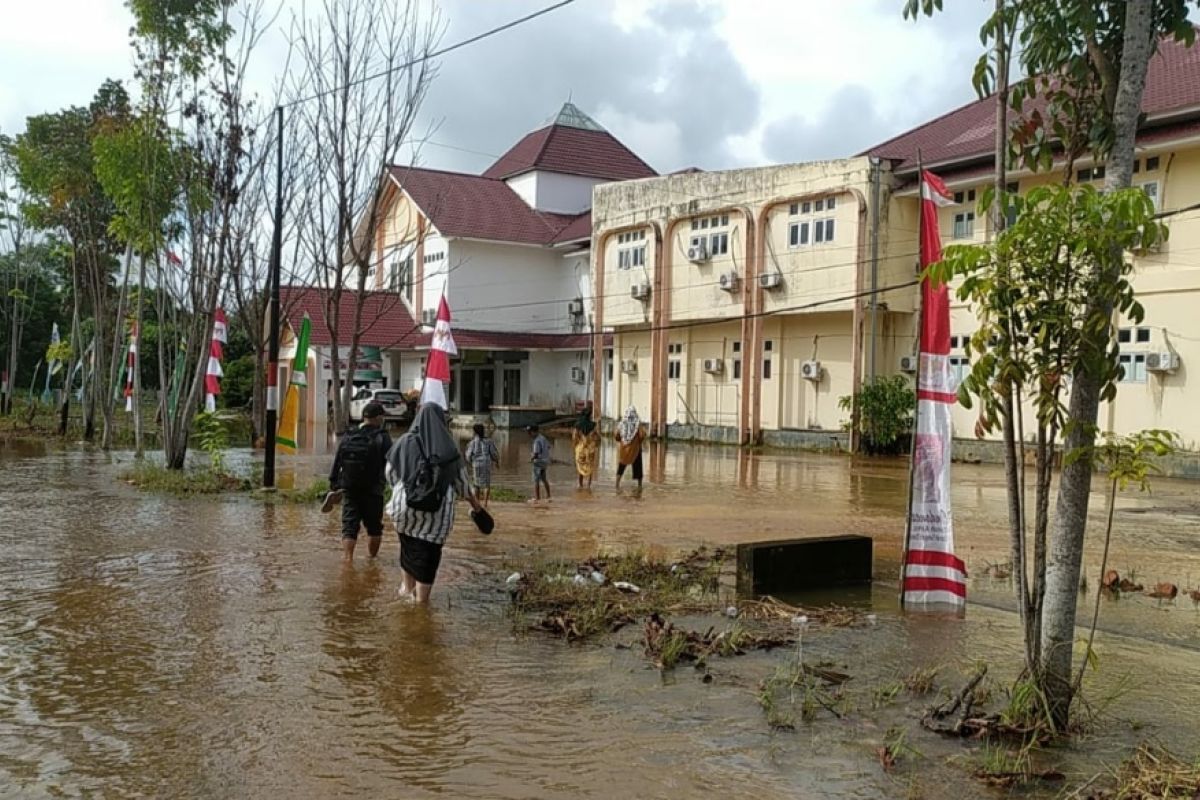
908,363
640,291
698,252
1166,361
770,280
578,375
429,317
629,366
714,366
811,370
729,281
575,308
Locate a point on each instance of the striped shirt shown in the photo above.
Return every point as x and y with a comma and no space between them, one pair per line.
430,526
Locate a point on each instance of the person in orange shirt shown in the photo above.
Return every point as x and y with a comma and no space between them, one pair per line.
629,435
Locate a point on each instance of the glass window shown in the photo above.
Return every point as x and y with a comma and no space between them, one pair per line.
829,230
704,223
673,370
737,347
718,244
737,369
794,209
1151,190
1151,163
806,207
793,234
768,345
1124,335
959,197
818,232
766,369
1133,367
1143,335
818,205
724,220
964,225
971,196
829,204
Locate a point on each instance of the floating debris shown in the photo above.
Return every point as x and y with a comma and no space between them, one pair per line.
627,587
1164,591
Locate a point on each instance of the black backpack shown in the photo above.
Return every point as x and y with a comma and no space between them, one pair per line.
360,461
426,490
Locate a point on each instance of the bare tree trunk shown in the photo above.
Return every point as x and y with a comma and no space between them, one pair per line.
1066,547
137,362
14,345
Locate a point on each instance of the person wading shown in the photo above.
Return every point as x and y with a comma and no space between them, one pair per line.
629,435
482,456
356,479
428,477
585,440
540,458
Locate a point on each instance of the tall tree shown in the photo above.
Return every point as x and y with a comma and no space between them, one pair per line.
1085,64
364,72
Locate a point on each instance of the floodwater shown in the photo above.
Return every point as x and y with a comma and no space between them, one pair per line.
161,647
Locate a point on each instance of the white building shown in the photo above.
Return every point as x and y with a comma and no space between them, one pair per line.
510,248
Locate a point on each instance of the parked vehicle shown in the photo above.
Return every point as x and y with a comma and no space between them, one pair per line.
397,409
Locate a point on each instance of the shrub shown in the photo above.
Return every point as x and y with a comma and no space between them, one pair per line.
885,414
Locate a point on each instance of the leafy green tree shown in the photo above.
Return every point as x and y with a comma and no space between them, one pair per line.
885,413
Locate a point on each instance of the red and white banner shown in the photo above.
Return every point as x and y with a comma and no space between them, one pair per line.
437,367
213,374
932,573
130,362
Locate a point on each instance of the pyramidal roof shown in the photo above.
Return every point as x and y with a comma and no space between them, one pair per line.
573,144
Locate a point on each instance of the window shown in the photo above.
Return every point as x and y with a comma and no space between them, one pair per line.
964,225
675,349
704,223
737,362
1090,174
829,230
960,368
724,220
1142,335
631,254
829,204
1133,335
1133,367
798,234
695,224
819,232
967,196
794,209
768,346
818,205
806,208
718,244
1151,163
1151,190
432,257
673,370
402,278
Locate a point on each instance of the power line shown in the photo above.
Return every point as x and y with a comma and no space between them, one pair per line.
435,54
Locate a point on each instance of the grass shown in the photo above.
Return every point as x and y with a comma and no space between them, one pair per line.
39,421
1153,773
503,494
182,483
884,694
309,495
922,681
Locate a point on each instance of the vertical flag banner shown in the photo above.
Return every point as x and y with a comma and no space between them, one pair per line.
212,377
130,360
289,420
932,573
437,367
55,364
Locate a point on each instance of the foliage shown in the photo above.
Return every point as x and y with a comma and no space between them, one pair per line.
885,412
181,483
237,385
139,166
1132,459
212,439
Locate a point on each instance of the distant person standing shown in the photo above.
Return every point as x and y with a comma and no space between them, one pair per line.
482,456
540,458
357,481
585,439
629,435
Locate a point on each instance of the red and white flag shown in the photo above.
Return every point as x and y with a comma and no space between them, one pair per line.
130,362
437,367
932,573
212,376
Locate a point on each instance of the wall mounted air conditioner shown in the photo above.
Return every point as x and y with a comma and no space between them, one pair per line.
810,370
698,252
578,375
575,308
729,281
770,280
1166,361
640,291
629,366
714,366
429,317
908,363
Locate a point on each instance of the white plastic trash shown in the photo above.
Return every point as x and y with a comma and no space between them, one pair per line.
511,579
626,586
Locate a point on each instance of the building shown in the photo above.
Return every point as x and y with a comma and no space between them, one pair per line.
1159,354
744,304
738,300
510,250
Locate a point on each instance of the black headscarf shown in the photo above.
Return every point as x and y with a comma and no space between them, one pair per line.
585,424
427,438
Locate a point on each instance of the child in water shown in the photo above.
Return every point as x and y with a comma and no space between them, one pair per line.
482,455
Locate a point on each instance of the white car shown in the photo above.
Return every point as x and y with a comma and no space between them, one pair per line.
395,407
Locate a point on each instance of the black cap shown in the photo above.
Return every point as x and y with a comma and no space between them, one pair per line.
372,410
531,428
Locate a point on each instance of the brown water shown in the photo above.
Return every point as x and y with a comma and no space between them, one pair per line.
216,648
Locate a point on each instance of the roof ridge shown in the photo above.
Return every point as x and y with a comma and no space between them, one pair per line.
445,172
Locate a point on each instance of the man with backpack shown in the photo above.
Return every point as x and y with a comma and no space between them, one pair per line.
358,478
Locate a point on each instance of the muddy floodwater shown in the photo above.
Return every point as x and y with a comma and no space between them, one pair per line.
217,648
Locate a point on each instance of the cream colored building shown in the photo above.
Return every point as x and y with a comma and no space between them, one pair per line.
741,300
750,301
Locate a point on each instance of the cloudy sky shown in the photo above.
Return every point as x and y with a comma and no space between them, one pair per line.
707,83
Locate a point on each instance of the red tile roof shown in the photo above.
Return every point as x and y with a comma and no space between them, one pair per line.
579,229
571,151
475,207
386,320
966,133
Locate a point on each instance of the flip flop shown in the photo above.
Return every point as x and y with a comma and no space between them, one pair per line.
332,499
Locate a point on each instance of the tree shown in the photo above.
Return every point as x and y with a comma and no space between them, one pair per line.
1085,64
364,72
54,166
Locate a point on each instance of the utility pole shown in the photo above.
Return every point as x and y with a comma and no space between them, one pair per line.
273,310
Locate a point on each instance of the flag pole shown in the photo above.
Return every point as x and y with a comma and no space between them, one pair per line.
912,446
